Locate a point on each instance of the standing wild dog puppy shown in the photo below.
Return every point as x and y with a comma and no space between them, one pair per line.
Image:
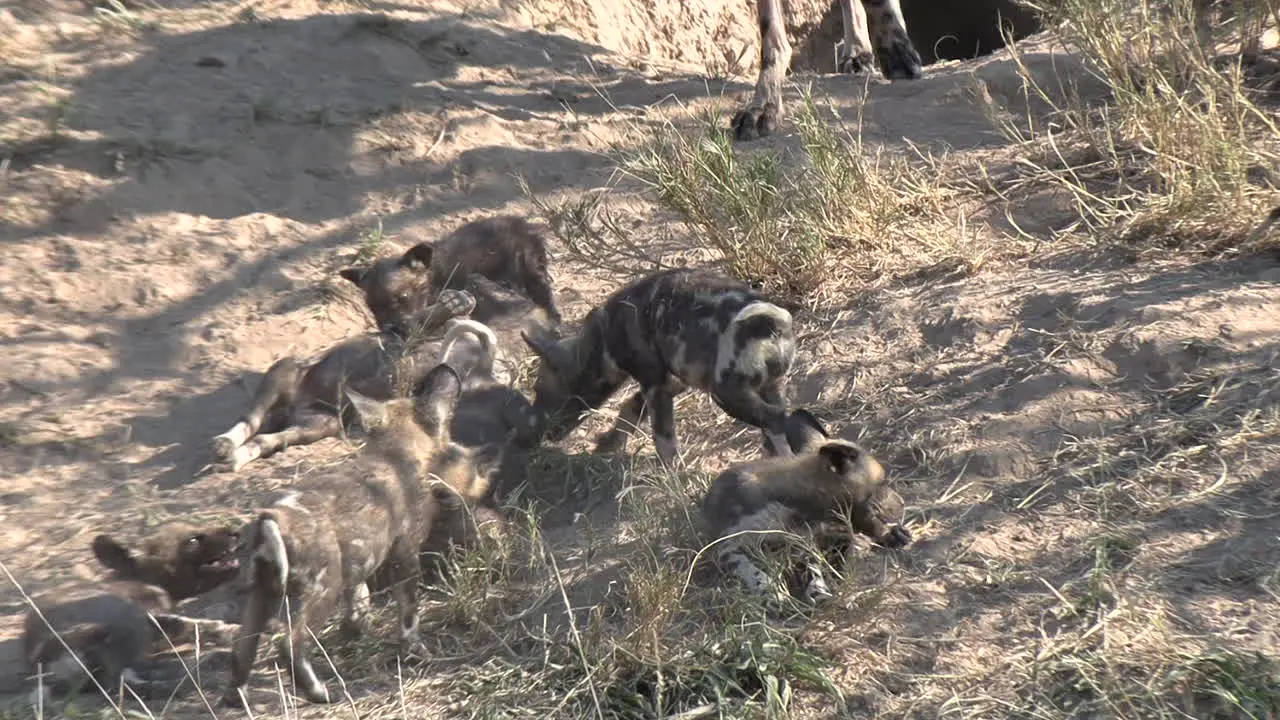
872,28
318,543
106,624
301,402
810,490
670,331
504,249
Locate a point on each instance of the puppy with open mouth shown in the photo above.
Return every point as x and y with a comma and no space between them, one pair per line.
110,627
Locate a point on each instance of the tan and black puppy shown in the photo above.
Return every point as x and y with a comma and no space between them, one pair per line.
106,624
824,480
317,544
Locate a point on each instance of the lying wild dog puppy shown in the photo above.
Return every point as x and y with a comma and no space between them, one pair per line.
669,331
500,261
300,402
106,624
317,544
493,419
806,492
506,250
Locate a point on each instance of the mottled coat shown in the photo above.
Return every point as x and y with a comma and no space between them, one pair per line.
670,331
315,545
300,402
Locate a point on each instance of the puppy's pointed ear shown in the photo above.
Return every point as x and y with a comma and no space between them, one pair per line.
435,398
354,274
551,351
805,431
417,257
372,414
841,457
113,555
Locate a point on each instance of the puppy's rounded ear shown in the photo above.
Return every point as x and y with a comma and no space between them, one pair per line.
417,257
805,431
841,457
372,414
113,555
355,275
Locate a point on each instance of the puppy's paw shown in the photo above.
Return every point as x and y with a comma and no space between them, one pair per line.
897,537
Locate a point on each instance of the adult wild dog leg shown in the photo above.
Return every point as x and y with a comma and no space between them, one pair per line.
761,115
898,57
854,51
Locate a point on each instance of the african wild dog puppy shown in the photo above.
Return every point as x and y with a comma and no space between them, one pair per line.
505,249
500,261
877,29
106,623
496,421
671,330
300,402
316,545
807,492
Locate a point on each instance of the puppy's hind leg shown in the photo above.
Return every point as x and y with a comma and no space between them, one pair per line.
405,569
295,647
308,427
279,387
757,582
260,607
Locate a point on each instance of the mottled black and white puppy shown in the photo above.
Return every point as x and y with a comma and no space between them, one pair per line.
670,331
825,481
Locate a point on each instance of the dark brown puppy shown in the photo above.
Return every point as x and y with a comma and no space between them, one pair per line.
500,261
106,624
504,249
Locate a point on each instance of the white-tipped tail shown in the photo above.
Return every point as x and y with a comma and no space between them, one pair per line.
488,342
273,550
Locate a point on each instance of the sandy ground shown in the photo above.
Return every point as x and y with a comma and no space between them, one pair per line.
178,198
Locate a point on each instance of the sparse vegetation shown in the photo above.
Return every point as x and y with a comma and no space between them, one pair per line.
1185,153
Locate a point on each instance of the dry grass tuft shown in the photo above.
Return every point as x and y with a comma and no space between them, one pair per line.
1183,155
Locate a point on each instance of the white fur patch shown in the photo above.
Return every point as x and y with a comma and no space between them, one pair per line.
780,445
773,517
308,679
245,454
238,434
129,677
291,500
754,356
